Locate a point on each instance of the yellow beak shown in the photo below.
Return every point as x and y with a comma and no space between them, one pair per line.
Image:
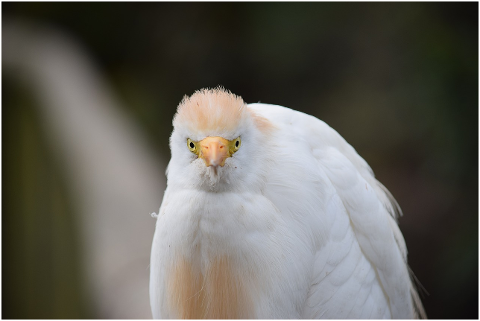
214,151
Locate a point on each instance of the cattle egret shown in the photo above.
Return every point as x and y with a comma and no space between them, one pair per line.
270,213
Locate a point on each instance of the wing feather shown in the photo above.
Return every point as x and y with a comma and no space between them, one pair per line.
361,270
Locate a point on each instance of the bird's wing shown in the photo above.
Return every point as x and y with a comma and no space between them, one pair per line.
360,269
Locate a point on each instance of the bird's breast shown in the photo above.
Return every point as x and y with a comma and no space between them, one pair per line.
218,293
218,255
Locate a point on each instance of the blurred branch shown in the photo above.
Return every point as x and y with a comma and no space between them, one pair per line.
117,177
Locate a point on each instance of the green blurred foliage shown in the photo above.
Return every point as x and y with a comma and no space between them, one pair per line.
399,81
40,270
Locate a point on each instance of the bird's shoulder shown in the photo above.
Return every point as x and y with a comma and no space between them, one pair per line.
326,146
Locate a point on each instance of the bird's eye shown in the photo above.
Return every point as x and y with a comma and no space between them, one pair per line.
191,145
237,144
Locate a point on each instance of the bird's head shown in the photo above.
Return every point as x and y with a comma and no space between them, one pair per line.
217,143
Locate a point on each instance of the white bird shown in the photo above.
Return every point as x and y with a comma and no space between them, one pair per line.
270,213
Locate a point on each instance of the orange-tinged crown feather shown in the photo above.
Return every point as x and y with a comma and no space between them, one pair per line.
211,110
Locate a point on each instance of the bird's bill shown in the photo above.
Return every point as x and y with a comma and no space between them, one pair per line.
214,150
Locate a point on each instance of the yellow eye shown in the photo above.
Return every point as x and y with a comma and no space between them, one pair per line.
237,143
192,146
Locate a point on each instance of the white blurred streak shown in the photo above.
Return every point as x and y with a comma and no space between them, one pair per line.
116,178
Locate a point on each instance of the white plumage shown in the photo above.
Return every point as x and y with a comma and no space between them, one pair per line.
288,222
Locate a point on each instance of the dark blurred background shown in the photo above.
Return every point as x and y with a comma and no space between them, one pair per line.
399,81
